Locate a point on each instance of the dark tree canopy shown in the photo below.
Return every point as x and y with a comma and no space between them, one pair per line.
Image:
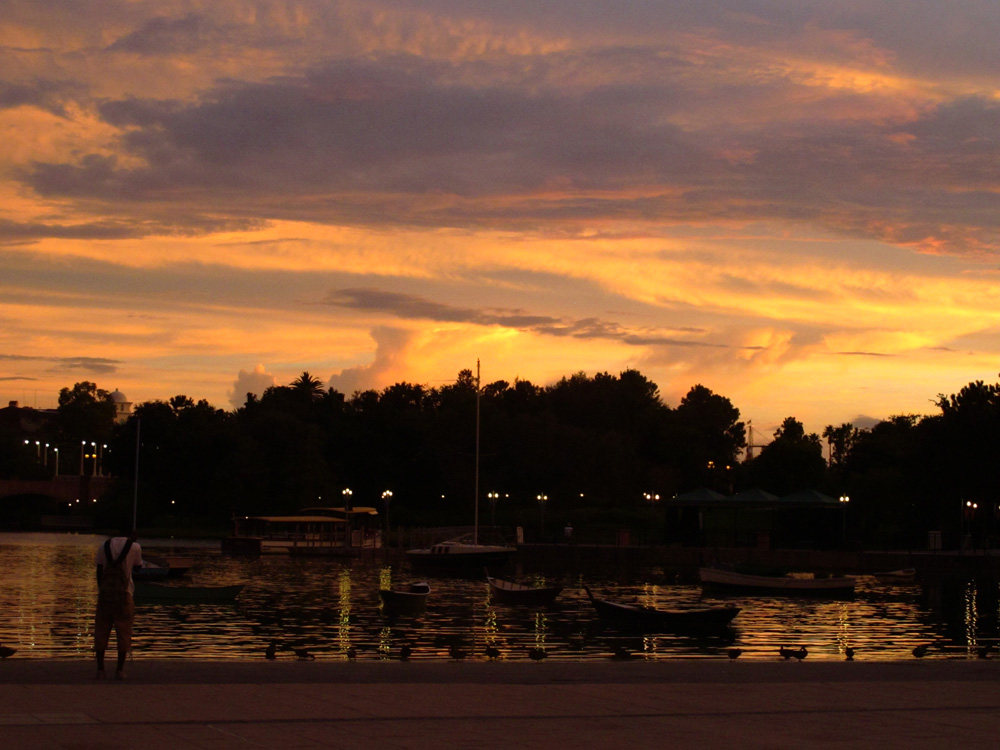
594,445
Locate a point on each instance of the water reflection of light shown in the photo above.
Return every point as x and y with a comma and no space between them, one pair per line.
843,627
541,628
971,618
344,623
331,605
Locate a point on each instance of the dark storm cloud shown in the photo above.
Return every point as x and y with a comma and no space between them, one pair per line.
48,95
96,365
414,307
559,140
14,233
864,354
400,124
162,36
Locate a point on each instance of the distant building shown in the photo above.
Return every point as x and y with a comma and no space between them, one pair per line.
123,407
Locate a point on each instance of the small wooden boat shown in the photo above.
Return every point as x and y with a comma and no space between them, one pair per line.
508,592
157,593
903,575
787,584
651,620
176,566
150,571
410,599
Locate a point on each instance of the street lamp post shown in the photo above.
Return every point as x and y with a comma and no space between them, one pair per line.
652,498
493,497
542,499
346,493
386,499
844,500
968,514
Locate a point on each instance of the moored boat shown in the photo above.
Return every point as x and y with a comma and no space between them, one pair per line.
635,617
775,584
464,554
410,599
903,575
458,554
150,571
176,565
155,593
509,592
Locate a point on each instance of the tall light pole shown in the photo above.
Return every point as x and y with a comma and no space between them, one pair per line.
493,497
386,499
844,500
346,493
652,498
968,514
542,499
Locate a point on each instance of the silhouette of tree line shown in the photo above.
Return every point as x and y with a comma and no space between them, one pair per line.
596,447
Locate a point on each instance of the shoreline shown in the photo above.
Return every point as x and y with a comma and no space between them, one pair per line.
58,705
695,670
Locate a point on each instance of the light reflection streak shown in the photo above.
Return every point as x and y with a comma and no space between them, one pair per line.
330,606
344,622
971,618
541,629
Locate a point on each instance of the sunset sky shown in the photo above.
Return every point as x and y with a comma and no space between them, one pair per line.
792,203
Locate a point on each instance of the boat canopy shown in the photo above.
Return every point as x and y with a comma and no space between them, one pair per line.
296,519
753,498
360,510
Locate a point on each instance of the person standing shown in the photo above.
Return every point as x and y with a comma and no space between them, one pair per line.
115,559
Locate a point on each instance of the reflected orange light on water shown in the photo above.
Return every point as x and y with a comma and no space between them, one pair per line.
331,606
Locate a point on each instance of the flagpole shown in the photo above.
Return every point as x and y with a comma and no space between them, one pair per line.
475,526
135,486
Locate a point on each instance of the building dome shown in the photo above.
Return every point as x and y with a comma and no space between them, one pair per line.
123,407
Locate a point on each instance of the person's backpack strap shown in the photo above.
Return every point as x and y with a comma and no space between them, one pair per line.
121,556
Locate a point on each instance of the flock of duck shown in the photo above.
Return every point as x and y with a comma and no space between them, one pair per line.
457,651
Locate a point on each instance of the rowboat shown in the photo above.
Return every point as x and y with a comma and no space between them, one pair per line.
156,593
786,584
509,592
903,575
176,565
410,599
150,571
651,620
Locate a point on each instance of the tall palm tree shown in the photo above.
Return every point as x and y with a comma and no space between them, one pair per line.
308,386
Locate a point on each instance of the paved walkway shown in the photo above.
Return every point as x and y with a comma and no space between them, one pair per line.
551,705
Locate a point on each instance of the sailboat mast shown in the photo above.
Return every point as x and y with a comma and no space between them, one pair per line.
475,523
135,484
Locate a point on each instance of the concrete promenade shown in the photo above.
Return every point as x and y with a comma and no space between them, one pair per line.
514,704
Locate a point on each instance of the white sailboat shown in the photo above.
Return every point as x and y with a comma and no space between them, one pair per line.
466,551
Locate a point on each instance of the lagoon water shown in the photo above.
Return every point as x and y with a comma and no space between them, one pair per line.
328,606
